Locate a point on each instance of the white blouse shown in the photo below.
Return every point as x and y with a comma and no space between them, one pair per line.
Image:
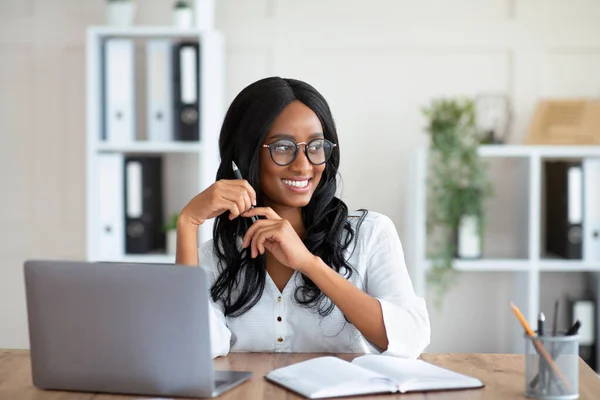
277,323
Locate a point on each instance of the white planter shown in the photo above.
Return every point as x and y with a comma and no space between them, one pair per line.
171,247
469,241
120,13
183,18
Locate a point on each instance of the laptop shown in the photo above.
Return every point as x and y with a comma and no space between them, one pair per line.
122,328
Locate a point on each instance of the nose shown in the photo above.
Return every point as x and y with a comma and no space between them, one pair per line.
301,163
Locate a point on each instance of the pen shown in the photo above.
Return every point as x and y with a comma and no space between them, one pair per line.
555,319
540,348
238,175
554,325
541,366
541,319
574,329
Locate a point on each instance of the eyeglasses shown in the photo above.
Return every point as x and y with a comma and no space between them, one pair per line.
284,151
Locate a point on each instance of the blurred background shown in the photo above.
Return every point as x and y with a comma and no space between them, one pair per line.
89,89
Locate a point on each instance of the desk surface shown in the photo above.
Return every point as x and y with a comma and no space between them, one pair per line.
503,375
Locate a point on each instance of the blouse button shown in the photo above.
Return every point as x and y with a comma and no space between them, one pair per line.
280,339
279,319
279,299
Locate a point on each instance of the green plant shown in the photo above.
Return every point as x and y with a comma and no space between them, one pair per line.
182,4
172,224
457,183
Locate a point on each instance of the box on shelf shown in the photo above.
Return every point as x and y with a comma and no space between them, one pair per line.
565,122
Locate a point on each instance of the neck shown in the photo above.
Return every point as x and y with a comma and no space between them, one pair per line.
292,214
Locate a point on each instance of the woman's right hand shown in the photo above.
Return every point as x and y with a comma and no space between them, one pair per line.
234,195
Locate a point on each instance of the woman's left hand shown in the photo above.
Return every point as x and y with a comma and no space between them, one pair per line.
278,236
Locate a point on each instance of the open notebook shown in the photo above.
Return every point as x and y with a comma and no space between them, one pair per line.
333,377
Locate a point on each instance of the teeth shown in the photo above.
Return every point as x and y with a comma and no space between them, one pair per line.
298,184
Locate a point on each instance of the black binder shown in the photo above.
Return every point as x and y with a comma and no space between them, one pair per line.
564,209
143,205
186,70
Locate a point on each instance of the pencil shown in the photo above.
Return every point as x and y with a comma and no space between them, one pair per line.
539,346
238,175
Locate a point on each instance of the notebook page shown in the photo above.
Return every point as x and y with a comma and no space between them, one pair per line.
329,376
414,375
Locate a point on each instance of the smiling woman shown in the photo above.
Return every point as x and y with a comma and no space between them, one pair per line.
308,276
296,126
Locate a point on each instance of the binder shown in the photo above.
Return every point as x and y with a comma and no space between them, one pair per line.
186,77
143,204
119,95
591,223
564,209
110,213
159,83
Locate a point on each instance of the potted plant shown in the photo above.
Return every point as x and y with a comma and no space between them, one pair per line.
170,228
120,12
458,186
182,14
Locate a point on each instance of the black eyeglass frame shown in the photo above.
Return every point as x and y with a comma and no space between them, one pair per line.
306,144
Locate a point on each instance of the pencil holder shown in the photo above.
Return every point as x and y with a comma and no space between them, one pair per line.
552,367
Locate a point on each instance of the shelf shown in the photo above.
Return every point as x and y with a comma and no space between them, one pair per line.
490,265
145,32
143,258
569,265
187,167
507,265
150,147
505,151
546,151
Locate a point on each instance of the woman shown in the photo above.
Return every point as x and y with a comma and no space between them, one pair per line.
306,276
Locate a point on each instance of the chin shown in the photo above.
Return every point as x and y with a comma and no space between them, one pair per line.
298,203
294,201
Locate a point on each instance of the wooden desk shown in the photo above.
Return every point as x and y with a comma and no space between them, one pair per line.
503,375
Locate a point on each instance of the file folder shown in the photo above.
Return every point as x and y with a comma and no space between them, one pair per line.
159,59
564,209
143,205
591,223
187,93
119,96
111,239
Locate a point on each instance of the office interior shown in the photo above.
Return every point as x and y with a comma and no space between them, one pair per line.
530,67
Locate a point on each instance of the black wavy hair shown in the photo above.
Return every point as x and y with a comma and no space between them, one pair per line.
328,233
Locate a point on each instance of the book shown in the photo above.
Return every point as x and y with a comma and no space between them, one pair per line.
330,376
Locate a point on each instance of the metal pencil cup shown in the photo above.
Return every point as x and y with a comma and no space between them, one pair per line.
552,367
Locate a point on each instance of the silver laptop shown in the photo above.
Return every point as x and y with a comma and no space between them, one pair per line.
122,328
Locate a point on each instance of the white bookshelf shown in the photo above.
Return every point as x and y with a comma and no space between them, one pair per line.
527,269
543,152
189,167
150,147
489,264
149,32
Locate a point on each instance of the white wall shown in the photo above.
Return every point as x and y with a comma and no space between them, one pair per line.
377,62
